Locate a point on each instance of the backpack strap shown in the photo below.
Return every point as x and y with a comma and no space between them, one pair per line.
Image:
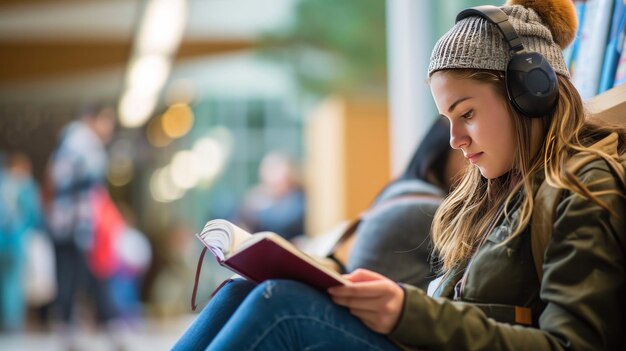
547,198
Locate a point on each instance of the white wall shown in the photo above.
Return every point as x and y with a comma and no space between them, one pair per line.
409,31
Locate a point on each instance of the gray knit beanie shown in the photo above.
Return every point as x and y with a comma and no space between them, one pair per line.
474,42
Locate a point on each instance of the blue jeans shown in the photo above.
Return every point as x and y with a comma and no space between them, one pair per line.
277,315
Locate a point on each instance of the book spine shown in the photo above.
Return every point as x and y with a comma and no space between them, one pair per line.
570,53
620,74
593,41
614,46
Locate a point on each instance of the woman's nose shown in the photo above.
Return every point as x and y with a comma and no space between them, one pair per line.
458,137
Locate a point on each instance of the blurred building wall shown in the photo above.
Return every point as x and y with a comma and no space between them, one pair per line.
347,159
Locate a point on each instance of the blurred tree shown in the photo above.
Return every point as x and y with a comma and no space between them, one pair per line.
336,46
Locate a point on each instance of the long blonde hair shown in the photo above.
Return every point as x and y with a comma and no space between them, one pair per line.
473,206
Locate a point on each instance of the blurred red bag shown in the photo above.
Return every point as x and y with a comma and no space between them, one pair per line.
108,225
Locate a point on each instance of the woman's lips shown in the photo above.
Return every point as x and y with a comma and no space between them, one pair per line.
473,158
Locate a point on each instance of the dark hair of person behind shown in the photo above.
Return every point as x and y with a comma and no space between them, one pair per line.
431,155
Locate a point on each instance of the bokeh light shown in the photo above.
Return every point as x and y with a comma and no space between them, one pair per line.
184,169
211,158
121,169
162,186
177,120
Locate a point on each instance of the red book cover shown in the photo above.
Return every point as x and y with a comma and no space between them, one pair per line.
266,259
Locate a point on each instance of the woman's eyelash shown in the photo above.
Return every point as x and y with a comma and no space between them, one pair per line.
467,115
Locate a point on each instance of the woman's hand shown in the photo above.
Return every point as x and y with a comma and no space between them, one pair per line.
376,300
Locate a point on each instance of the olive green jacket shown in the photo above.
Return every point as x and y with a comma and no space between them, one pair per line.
579,305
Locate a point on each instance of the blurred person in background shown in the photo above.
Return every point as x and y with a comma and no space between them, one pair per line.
20,216
277,203
134,254
77,172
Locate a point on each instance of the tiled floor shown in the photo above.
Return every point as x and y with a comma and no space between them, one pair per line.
153,336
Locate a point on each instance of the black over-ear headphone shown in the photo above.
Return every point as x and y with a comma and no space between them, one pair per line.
531,83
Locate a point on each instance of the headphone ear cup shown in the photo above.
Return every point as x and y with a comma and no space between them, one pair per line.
531,84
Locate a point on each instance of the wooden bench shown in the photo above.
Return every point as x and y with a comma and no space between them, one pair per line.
609,106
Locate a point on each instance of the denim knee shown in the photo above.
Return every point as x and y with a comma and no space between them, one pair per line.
283,292
239,284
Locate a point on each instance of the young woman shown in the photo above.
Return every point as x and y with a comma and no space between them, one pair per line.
490,297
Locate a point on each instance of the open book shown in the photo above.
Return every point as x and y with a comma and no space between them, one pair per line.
264,256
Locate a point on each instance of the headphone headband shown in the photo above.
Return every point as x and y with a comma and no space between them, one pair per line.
531,84
496,16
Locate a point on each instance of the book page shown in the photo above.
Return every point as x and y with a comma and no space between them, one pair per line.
222,237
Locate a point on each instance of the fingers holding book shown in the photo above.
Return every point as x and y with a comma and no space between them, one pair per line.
376,300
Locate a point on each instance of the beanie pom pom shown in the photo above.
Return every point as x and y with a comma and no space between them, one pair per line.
559,16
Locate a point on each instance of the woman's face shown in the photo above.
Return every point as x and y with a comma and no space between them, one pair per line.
480,124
